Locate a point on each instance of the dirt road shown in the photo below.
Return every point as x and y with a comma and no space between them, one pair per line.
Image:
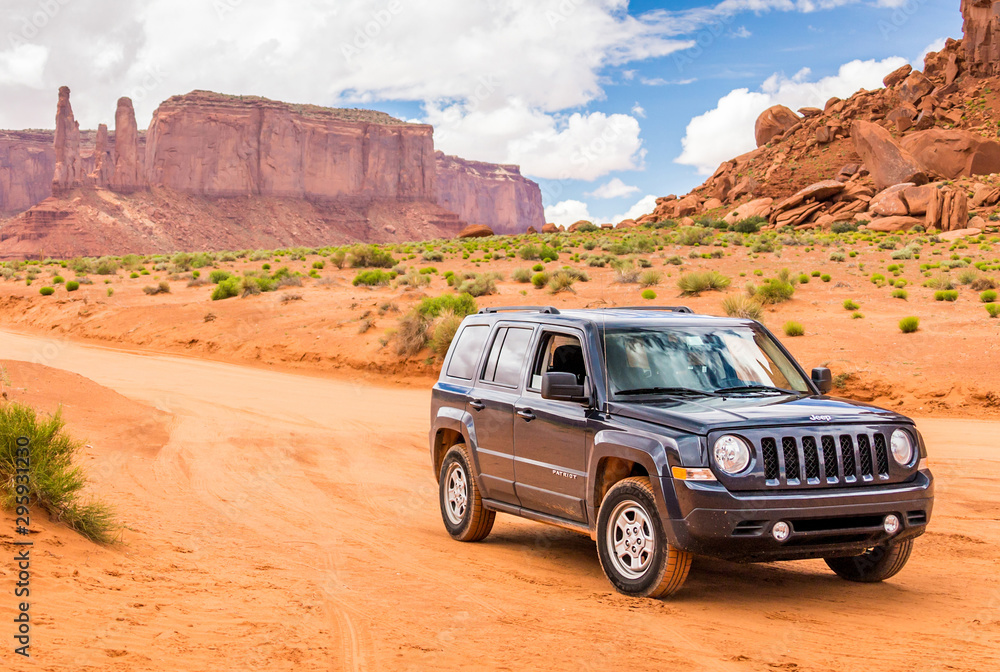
288,522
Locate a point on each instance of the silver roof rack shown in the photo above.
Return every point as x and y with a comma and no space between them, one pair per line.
551,310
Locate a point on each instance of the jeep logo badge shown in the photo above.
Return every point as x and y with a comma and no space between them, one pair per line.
821,418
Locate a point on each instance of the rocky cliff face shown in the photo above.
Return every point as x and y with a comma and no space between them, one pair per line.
27,163
489,194
69,169
214,145
982,36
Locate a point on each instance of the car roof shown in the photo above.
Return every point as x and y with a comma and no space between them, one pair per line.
673,316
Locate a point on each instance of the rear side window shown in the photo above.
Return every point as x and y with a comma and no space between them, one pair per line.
506,356
467,350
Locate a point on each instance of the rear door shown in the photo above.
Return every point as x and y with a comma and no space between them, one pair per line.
550,437
492,408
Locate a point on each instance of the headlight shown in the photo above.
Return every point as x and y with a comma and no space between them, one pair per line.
732,454
902,447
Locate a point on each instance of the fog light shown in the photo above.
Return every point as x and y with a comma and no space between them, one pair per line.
780,531
891,524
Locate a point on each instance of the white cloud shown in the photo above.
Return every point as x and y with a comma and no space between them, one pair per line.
741,33
638,110
644,206
728,130
613,189
567,212
23,65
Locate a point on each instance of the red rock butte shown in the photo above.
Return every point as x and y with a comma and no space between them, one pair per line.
329,175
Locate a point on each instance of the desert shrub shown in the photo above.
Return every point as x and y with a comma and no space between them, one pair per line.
547,253
900,294
529,253
850,305
946,295
432,255
792,328
58,280
650,278
908,325
411,336
826,277
878,280
338,258
742,306
521,275
587,227
774,290
980,284
443,333
561,281
373,278
857,316
989,296
414,278
226,289
993,309
479,284
907,252
940,282
693,235
540,279
370,256
701,281
47,291
625,271
674,261
648,294
838,256
843,227
319,265
106,266
132,262
803,279
162,288
72,286
432,307
288,281
968,276
218,276
749,225
54,483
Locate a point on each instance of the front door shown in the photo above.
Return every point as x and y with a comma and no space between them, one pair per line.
550,437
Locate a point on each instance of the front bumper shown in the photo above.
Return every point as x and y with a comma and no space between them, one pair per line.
712,521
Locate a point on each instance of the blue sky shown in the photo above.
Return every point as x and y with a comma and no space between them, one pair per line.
605,103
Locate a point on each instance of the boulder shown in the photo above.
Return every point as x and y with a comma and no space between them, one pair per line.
549,227
824,135
627,224
760,207
919,199
722,186
915,87
896,76
712,204
893,224
902,116
820,191
984,195
891,201
531,229
773,121
810,112
577,224
949,236
888,163
953,153
475,231
748,186
830,104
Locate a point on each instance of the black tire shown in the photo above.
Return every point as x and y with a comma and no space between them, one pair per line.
657,573
875,564
468,519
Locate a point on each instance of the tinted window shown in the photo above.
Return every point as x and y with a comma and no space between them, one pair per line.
491,362
515,346
558,352
467,351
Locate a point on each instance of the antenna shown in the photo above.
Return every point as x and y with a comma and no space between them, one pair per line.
604,339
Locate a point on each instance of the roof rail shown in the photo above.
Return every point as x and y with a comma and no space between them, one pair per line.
551,310
670,309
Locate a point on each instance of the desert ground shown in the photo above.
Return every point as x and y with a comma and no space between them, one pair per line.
269,467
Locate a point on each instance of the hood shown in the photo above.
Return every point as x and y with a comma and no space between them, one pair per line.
702,415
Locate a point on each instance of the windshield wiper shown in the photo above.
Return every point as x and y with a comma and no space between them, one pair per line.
754,387
675,391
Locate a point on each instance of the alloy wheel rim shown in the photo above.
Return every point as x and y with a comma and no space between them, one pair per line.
456,494
631,541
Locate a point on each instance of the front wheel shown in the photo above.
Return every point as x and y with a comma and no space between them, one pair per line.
465,517
875,564
631,545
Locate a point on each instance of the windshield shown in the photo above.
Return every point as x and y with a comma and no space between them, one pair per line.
698,360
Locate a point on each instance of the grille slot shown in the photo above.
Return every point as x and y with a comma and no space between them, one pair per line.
791,454
916,517
830,457
770,449
810,457
865,455
847,450
881,455
825,459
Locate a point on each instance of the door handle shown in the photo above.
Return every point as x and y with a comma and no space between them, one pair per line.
476,404
526,414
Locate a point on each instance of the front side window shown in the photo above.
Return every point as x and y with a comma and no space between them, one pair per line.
559,352
708,360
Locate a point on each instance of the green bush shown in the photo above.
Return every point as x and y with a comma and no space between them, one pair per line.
850,305
162,288
750,224
456,304
648,294
540,279
900,294
58,280
54,483
650,278
443,333
529,253
774,290
700,281
908,325
561,281
993,309
370,256
373,278
837,256
989,296
843,227
744,307
432,255
218,276
478,284
72,286
946,295
793,328
226,289
803,279
521,275
693,235
857,316
318,265
47,291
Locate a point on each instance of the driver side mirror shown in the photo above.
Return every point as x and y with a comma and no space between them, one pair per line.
823,379
562,386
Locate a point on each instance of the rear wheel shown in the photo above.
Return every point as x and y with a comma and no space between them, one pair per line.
462,510
875,564
631,545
